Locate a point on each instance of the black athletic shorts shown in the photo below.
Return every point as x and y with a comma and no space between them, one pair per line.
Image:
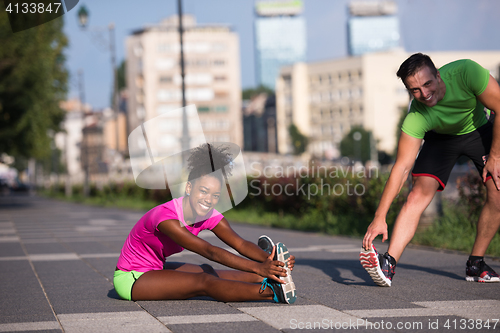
440,152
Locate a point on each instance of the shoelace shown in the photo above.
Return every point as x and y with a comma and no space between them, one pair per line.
264,285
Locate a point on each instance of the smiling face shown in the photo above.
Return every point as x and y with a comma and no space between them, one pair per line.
425,87
204,194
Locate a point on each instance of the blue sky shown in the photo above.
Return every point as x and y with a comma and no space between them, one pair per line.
426,25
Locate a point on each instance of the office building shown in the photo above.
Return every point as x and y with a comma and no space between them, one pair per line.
280,38
373,26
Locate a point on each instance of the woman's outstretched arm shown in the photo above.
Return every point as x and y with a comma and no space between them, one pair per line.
246,248
180,235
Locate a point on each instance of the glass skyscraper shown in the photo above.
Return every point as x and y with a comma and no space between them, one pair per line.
280,38
373,26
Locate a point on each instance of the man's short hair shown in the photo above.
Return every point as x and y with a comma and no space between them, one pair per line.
415,63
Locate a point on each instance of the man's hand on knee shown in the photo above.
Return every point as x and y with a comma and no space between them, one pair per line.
492,167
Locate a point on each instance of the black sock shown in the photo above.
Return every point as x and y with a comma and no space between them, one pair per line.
474,258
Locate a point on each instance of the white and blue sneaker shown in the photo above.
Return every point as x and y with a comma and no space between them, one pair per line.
288,288
279,294
286,292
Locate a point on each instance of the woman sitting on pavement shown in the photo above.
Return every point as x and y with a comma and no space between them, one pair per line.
143,274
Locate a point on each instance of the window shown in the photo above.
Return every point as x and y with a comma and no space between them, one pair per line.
218,47
203,108
222,124
221,108
221,94
163,47
138,50
139,81
165,79
165,64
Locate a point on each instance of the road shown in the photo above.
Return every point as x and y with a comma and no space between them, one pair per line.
57,261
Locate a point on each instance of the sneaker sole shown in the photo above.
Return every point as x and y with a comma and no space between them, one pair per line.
478,279
369,261
288,288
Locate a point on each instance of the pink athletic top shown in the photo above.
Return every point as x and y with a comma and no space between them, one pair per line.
146,248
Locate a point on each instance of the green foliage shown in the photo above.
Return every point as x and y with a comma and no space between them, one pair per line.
454,231
299,140
356,149
252,92
33,81
122,82
52,163
346,206
471,194
125,195
335,202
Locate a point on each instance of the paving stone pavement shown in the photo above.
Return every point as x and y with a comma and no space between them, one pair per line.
57,261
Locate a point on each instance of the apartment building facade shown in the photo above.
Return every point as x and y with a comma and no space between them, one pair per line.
212,76
326,99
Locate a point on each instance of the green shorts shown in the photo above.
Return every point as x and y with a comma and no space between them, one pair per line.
124,281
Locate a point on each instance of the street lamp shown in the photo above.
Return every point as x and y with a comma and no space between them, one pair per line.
85,145
185,139
83,16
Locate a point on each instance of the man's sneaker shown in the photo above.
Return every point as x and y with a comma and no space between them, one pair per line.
479,271
380,267
288,288
266,244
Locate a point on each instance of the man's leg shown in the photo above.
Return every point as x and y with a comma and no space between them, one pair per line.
424,189
489,220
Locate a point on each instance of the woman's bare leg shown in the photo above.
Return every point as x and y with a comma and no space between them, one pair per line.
228,274
173,284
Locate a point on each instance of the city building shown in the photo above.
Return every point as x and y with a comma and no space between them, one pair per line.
280,38
88,143
292,105
212,77
259,124
69,141
325,99
373,26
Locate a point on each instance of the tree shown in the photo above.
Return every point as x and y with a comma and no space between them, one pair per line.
33,81
251,92
356,144
299,140
121,72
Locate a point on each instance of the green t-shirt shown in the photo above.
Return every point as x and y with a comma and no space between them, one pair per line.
459,112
